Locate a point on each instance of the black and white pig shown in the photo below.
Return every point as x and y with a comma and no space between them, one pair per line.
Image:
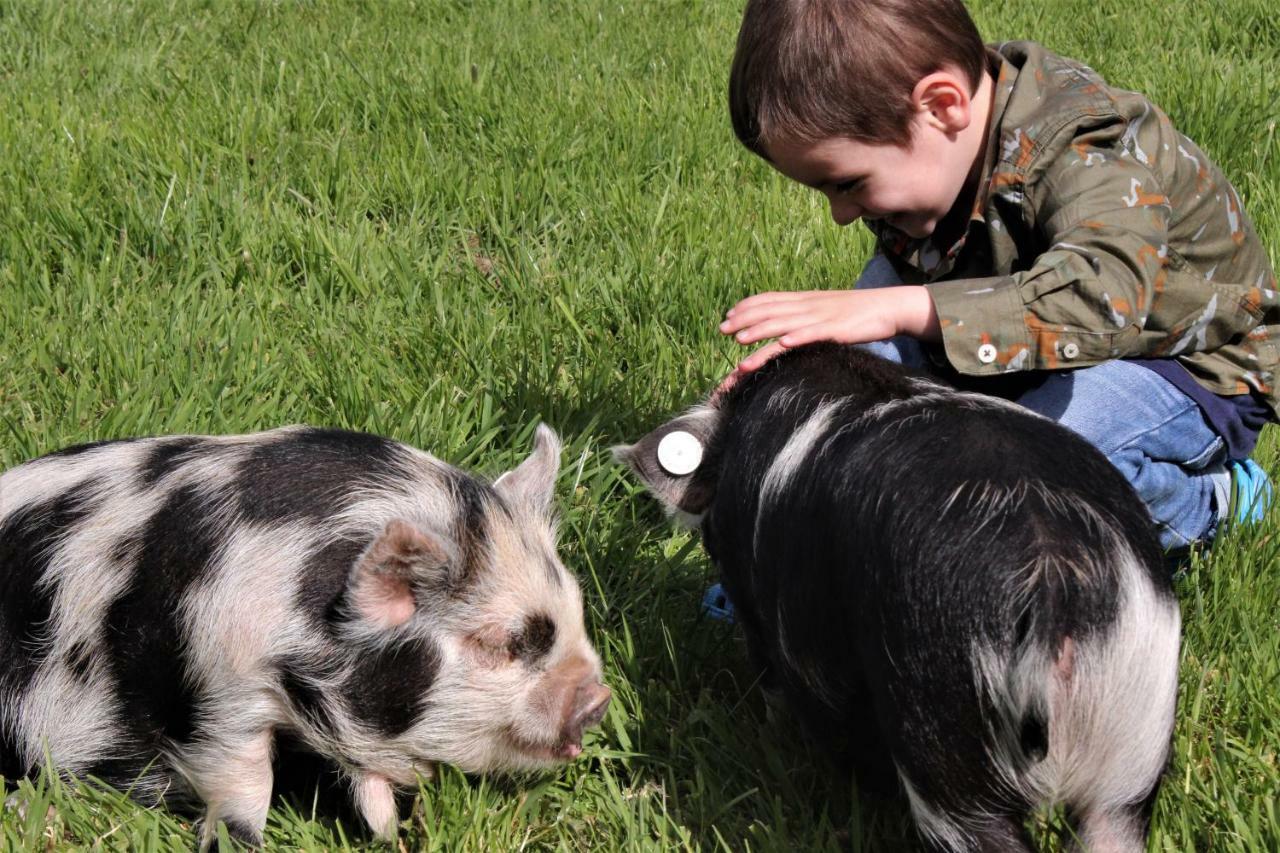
960,592
168,606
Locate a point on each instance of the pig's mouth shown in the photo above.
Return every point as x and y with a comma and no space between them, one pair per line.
569,745
565,749
591,702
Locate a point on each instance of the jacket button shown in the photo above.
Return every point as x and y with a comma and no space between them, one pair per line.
1070,351
986,353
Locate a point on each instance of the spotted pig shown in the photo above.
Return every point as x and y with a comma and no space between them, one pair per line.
169,606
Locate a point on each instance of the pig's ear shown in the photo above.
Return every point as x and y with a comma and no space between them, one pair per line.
532,483
381,591
672,462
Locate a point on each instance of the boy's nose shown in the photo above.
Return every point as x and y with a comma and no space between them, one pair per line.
844,212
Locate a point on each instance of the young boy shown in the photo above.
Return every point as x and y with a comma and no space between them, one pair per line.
1039,225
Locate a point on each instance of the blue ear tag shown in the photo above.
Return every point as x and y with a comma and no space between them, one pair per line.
717,605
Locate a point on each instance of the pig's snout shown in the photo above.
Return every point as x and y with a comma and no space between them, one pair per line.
590,701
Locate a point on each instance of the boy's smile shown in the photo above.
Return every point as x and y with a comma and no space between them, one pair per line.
911,188
870,182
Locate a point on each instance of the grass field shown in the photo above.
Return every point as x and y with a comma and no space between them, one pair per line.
448,221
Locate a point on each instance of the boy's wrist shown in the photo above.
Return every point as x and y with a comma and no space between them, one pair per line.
918,317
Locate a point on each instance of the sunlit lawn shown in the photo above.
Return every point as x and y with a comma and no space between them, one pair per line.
445,222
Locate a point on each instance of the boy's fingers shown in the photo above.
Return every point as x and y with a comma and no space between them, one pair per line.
725,384
768,303
774,327
761,313
808,334
828,330
771,297
759,357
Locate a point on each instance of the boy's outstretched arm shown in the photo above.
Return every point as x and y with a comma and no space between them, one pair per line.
844,316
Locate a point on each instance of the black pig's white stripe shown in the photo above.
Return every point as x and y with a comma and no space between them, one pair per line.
791,460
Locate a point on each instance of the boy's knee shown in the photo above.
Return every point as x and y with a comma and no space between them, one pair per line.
1180,500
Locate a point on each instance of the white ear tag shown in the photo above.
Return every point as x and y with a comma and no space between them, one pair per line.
679,453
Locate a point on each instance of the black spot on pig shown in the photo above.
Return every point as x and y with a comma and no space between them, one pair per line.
124,551
388,689
144,642
324,580
307,697
166,456
1034,737
310,474
80,660
535,639
28,537
471,528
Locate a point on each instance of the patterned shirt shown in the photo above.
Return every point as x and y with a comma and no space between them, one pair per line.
1097,232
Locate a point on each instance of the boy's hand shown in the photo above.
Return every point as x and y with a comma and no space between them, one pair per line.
844,316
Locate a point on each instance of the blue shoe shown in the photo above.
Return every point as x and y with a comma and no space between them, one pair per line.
717,605
1251,492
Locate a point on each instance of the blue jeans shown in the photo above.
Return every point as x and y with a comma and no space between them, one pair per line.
1151,431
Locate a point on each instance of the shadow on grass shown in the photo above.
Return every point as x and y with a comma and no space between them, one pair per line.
700,731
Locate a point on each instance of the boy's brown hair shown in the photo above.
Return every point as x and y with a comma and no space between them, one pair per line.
807,70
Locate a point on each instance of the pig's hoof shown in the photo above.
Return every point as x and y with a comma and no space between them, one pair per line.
20,805
239,833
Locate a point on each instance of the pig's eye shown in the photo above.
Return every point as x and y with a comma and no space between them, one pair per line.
495,646
534,639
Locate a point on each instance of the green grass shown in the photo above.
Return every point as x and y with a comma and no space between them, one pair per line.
447,221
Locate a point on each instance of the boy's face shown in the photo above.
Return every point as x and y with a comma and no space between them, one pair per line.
911,188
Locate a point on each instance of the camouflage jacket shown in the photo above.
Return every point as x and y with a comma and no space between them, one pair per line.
1098,232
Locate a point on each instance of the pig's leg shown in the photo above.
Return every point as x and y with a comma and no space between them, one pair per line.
972,829
1002,834
985,834
376,800
1121,830
234,779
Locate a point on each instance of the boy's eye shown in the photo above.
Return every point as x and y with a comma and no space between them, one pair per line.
849,185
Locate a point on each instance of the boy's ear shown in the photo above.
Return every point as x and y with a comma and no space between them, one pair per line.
674,467
944,100
532,483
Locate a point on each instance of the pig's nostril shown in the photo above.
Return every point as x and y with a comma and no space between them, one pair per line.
593,713
592,702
